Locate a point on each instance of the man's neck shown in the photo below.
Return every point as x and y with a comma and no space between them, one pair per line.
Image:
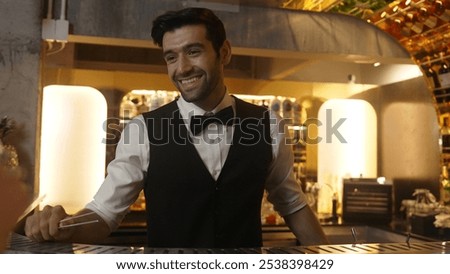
213,101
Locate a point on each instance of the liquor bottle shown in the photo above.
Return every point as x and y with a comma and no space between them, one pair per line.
444,72
426,16
287,109
127,109
378,17
404,4
433,81
445,135
405,23
444,186
412,20
155,100
442,10
431,75
297,112
144,105
395,27
275,106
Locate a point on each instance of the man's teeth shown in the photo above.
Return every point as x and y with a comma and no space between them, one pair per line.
190,80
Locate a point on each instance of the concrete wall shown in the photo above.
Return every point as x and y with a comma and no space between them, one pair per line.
20,49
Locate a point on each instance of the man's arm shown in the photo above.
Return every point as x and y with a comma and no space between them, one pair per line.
44,226
306,227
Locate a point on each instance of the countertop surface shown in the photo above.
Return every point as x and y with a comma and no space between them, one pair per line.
277,239
21,244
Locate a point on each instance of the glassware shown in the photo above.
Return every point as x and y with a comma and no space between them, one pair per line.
444,187
128,109
445,135
444,72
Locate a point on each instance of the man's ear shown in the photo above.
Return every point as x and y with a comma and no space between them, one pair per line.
225,52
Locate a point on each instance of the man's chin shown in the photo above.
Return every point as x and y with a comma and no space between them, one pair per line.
190,98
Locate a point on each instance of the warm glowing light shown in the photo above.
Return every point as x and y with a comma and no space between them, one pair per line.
254,97
73,147
297,127
348,147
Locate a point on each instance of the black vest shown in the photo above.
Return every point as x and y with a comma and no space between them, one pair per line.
186,207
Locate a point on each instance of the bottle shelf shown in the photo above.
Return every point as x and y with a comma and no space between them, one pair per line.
395,11
442,88
434,60
420,26
427,34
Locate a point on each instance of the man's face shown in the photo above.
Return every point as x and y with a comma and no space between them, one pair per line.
193,65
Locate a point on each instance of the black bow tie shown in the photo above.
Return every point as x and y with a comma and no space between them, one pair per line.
200,122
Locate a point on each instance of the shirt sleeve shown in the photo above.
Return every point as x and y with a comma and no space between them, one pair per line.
125,175
282,188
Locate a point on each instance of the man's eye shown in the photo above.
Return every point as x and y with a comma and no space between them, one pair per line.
194,52
169,59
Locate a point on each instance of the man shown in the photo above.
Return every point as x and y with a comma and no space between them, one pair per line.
203,182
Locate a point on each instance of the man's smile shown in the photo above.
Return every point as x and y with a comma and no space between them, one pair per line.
190,80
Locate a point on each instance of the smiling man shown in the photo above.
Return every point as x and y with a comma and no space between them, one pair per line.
194,66
203,160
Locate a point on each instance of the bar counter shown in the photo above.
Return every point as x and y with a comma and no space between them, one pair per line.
20,244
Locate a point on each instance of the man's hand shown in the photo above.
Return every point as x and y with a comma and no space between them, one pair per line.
306,227
88,227
44,225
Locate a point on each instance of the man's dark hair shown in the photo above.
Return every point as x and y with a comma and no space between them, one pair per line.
169,21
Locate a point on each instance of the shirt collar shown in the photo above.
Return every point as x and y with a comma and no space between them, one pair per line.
187,109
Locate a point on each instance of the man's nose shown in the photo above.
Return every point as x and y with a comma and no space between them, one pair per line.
184,65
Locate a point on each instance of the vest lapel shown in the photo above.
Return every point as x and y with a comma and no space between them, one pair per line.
181,130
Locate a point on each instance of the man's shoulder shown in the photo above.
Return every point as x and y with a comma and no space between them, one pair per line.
243,106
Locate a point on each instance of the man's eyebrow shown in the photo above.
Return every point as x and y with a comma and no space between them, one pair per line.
185,48
201,45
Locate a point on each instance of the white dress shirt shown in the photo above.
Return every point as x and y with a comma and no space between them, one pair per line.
127,171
